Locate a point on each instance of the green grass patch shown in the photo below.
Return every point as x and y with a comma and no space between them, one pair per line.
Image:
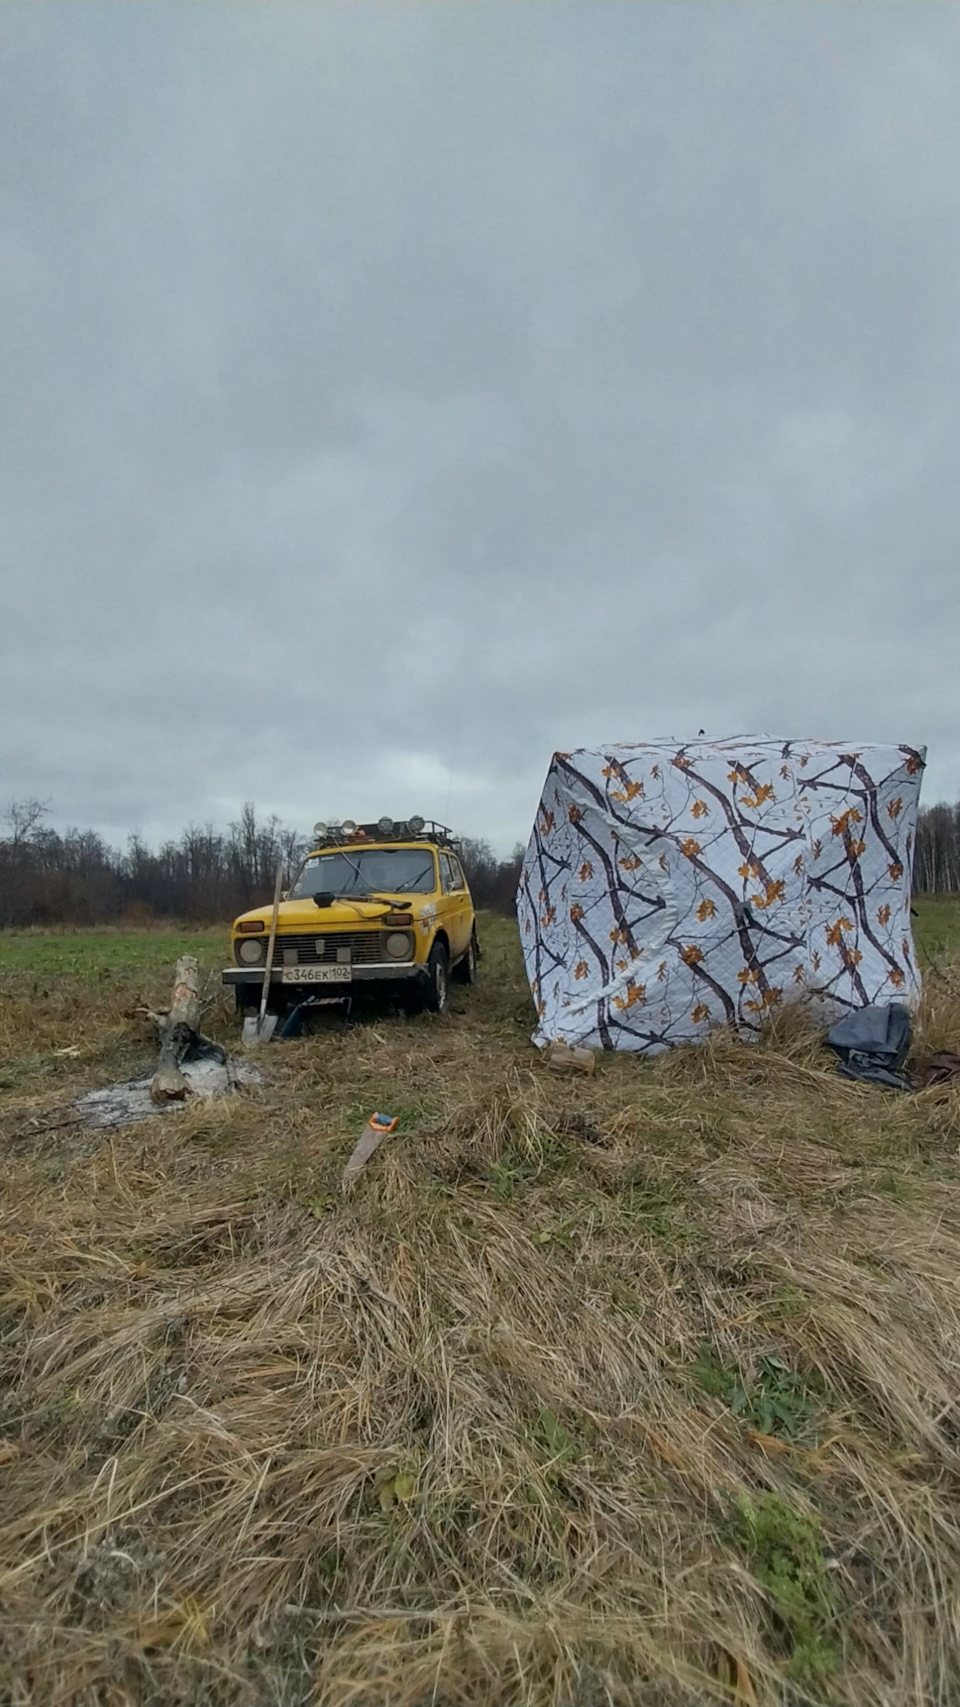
91,953
778,1401
936,928
785,1556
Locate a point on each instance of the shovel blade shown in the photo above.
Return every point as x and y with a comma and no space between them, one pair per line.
257,1031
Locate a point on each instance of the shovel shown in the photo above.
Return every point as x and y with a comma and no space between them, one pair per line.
261,1029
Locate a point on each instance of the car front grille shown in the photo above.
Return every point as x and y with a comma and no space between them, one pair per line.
313,949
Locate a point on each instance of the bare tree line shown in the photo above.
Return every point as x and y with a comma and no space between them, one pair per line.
936,854
48,877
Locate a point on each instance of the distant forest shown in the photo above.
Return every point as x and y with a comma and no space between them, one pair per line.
209,875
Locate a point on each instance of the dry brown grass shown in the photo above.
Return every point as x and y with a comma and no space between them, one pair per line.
473,1434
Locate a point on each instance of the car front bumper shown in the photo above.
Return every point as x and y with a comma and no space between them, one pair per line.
392,972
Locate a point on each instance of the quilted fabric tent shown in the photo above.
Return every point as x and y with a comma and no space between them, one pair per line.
669,888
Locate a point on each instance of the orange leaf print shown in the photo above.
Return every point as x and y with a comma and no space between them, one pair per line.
574,814
772,997
547,825
798,974
691,955
817,849
541,1009
576,913
750,869
700,1012
661,971
630,863
655,771
895,807
895,977
748,975
738,774
914,763
850,956
580,970
706,910
842,824
690,847
798,865
636,993
895,871
700,809
836,930
774,893
855,849
586,871
815,960
785,772
622,965
548,917
763,792
883,915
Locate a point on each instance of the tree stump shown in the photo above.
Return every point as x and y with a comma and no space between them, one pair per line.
178,1032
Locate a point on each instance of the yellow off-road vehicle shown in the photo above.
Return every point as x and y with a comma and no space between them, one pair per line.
373,906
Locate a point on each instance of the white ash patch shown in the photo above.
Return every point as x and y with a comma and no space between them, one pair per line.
129,1101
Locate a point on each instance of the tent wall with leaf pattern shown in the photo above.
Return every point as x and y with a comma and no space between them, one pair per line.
668,888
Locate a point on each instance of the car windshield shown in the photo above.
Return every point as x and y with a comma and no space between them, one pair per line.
367,871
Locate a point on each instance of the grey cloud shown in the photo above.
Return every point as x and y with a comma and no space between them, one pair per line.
395,394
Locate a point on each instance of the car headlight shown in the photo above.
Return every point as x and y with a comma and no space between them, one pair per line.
398,945
250,951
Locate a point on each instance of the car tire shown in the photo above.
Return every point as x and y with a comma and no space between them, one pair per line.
465,971
438,972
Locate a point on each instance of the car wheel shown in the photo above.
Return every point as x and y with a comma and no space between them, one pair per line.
465,971
438,972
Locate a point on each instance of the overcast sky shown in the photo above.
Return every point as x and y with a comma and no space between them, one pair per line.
394,393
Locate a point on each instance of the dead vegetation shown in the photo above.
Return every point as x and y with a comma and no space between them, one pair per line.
639,1389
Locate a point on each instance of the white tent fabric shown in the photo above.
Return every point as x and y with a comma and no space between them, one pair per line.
669,888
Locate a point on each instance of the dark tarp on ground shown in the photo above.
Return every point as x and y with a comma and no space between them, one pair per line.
872,1044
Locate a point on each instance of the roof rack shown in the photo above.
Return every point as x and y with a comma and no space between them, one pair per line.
428,831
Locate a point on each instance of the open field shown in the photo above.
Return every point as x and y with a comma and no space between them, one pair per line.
637,1390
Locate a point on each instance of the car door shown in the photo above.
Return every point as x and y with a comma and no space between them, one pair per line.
461,908
450,907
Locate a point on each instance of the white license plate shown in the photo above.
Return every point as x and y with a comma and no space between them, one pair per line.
316,974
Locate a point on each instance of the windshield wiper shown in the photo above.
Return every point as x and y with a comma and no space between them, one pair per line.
404,888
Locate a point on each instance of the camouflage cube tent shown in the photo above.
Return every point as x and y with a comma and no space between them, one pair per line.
669,888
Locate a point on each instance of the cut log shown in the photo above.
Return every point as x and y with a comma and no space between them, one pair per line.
563,1058
178,1032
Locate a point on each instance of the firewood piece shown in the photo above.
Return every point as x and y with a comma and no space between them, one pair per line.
178,1032
563,1058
